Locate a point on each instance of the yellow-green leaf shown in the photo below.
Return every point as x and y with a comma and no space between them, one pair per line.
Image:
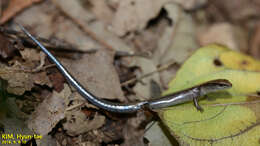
230,117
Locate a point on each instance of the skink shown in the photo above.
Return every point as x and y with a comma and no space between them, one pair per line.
191,94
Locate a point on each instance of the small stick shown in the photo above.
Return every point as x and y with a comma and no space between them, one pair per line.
161,68
85,29
53,44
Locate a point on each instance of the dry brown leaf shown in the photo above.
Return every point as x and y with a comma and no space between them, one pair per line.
49,112
14,7
133,133
190,4
185,30
66,30
146,41
54,25
19,77
41,78
224,34
95,29
143,89
96,72
177,49
18,82
237,10
174,13
34,60
30,54
102,11
6,47
57,80
78,11
111,131
255,43
163,44
133,15
77,122
88,143
46,140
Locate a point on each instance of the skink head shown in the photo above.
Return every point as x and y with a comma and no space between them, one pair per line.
214,85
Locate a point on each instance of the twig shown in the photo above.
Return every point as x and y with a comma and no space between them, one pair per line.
124,53
75,106
164,67
53,44
37,69
83,27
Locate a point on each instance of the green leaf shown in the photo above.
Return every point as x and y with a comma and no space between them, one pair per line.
230,117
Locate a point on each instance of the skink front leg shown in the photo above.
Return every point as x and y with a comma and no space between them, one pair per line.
196,104
197,94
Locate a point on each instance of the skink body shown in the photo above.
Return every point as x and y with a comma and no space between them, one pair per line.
173,99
